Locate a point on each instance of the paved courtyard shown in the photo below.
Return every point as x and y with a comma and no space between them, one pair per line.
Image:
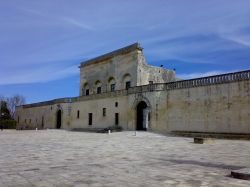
64,158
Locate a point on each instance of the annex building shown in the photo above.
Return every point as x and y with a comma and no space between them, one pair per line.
120,89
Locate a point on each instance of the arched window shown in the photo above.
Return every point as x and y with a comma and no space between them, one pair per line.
98,86
111,84
127,81
85,89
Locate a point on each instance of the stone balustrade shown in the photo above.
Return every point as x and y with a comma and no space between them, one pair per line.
182,84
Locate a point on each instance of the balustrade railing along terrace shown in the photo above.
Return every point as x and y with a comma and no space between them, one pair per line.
203,81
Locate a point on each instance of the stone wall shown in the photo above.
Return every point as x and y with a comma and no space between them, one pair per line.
211,104
118,67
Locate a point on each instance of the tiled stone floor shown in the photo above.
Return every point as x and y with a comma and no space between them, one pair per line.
64,158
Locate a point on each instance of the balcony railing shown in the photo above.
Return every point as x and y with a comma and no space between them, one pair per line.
204,81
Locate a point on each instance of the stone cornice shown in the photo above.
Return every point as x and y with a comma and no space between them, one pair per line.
124,50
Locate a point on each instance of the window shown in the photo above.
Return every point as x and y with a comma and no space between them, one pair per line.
78,114
112,87
104,112
30,120
25,121
85,89
150,82
90,118
42,121
127,85
116,118
99,90
116,104
111,84
18,119
87,92
149,116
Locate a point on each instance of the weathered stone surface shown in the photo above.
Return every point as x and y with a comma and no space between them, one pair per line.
215,104
65,158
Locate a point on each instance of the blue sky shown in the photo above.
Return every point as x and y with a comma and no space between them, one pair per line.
43,42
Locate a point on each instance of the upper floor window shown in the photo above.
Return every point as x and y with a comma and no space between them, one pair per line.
85,89
111,83
98,86
126,81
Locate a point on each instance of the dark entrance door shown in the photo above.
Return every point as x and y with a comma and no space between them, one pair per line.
140,116
58,119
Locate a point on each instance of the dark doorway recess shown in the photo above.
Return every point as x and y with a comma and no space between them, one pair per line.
140,116
58,119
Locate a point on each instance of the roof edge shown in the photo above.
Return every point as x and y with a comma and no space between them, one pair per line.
127,49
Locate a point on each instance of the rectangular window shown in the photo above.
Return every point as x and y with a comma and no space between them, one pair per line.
116,104
78,114
127,85
112,87
87,92
42,121
18,119
25,121
104,112
99,90
30,120
116,118
90,118
150,82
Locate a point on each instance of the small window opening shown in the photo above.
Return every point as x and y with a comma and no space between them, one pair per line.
104,112
116,104
18,119
42,121
150,82
78,114
90,118
116,118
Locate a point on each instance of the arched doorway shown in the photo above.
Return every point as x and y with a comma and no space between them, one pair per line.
142,116
58,119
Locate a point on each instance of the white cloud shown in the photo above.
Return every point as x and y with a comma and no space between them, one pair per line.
201,74
77,23
34,75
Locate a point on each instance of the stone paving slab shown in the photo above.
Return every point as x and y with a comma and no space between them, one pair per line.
65,158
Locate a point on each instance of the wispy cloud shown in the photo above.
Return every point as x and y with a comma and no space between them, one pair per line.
202,74
76,23
42,33
37,75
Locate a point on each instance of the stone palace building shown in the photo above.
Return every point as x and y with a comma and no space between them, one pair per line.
120,89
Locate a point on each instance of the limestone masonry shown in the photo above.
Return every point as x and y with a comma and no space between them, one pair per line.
121,89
